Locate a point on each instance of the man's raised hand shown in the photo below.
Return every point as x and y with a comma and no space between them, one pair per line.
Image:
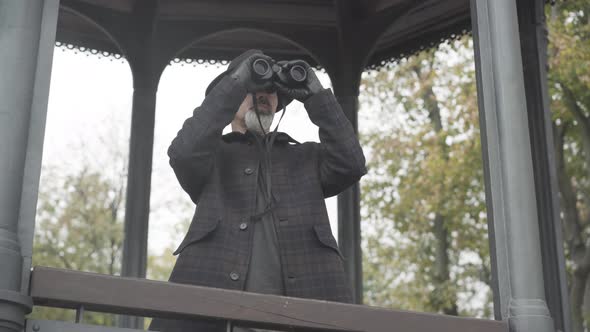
243,73
301,92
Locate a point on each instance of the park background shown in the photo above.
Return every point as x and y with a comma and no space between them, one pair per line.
423,213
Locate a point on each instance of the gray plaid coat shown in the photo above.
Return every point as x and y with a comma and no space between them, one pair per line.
220,175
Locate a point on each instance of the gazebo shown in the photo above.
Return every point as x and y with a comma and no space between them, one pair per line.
344,38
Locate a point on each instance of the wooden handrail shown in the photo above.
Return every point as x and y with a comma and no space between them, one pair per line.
141,297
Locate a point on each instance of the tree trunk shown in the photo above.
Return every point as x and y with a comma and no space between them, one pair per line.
573,233
571,102
578,281
441,270
441,299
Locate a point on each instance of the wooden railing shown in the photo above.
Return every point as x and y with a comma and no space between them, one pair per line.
148,298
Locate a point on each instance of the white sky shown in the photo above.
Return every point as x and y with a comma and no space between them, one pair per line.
89,117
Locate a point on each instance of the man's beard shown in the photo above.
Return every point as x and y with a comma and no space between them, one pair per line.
253,125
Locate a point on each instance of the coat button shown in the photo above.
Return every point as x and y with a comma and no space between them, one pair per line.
248,171
234,276
243,226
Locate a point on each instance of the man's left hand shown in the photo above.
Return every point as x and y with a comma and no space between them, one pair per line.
301,92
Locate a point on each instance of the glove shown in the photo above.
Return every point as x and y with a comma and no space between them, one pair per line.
243,74
301,92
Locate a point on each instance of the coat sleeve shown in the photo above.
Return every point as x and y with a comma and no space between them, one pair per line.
193,151
341,158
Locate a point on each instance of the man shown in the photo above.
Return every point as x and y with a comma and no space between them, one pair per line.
261,223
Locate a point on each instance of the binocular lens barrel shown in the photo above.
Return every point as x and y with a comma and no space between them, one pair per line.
298,73
261,67
263,70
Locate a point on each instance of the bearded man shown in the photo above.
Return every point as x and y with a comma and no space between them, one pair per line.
261,223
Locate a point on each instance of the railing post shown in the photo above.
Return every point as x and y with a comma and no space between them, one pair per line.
80,314
510,187
27,38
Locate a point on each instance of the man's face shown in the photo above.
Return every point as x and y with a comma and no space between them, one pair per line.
267,103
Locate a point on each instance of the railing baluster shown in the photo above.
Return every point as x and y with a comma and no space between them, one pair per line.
80,314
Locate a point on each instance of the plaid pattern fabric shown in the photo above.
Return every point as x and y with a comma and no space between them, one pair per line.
220,175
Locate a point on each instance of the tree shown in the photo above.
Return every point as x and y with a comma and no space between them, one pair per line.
423,202
79,227
569,86
412,170
80,214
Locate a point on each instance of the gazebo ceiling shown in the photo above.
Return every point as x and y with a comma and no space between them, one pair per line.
289,25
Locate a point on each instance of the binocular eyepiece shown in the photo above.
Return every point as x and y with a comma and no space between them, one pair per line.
263,70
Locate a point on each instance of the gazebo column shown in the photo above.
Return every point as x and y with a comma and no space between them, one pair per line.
27,38
345,66
137,205
533,32
349,229
141,52
510,185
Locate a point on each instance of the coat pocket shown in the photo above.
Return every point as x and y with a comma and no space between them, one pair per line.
197,232
324,234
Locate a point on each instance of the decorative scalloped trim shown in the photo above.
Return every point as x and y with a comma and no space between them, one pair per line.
116,56
194,62
88,51
384,62
387,62
394,60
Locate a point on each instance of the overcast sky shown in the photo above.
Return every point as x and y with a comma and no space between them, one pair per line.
89,116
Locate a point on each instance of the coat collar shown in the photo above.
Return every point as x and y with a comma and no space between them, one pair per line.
236,136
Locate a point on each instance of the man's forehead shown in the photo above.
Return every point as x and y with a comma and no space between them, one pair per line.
265,93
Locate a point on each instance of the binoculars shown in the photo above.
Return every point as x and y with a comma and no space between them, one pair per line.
264,70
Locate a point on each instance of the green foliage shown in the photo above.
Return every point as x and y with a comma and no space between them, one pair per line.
160,266
79,227
423,200
423,204
569,89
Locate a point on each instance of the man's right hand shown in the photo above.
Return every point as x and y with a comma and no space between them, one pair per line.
311,86
243,74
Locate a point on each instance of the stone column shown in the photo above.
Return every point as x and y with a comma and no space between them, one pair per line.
510,187
27,38
349,216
